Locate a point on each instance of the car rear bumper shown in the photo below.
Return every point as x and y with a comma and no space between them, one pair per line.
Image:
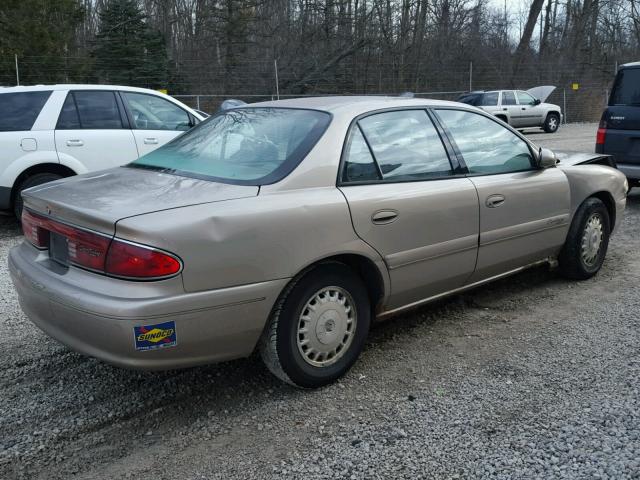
209,326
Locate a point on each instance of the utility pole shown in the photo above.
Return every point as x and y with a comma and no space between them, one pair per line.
17,71
470,76
275,66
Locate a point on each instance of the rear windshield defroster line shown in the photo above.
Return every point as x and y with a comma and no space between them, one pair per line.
244,146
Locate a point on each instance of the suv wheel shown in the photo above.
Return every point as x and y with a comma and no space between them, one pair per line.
551,123
318,327
586,245
32,181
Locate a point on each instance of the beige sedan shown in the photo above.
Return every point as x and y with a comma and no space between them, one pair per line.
289,226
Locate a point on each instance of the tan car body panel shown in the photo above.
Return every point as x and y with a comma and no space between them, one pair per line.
241,247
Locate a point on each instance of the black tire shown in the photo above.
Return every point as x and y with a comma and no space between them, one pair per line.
279,347
575,262
32,181
551,123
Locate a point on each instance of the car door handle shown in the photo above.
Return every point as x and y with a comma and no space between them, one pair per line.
524,108
494,201
151,141
505,109
75,143
382,217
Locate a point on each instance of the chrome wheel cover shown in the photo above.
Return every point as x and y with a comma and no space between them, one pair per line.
326,326
592,239
553,123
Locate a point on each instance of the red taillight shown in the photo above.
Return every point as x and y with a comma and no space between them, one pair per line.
100,253
134,261
600,136
32,227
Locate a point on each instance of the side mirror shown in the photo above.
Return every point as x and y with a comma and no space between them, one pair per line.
546,158
537,101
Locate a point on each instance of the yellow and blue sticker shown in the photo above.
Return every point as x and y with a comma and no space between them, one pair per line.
152,337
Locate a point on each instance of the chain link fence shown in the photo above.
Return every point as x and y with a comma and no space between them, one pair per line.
582,105
582,89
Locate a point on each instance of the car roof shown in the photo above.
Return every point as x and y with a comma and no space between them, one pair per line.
353,104
37,88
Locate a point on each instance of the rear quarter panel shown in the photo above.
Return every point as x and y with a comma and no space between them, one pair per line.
237,242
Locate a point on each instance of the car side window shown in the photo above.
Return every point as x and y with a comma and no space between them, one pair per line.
489,99
406,145
525,99
69,119
508,98
154,113
486,146
359,165
92,110
21,109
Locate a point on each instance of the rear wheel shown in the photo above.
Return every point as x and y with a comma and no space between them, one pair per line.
318,327
32,181
587,242
551,123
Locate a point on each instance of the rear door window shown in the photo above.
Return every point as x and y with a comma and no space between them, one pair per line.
93,110
406,145
489,99
626,89
20,110
508,98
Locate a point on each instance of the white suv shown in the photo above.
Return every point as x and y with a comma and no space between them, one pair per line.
52,131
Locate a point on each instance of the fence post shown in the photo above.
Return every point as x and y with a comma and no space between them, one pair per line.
198,102
275,66
17,70
564,104
470,76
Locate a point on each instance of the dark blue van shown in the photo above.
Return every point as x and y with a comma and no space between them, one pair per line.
619,130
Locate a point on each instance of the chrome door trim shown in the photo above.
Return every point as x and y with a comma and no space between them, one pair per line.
388,313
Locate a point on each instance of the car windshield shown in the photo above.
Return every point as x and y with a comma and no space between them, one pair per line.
626,89
246,146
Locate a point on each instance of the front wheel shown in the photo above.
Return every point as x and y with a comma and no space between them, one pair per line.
551,123
318,327
587,242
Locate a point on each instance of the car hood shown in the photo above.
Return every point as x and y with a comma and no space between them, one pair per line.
542,93
98,200
568,158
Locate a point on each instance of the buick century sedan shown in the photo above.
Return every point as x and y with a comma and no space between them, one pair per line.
288,227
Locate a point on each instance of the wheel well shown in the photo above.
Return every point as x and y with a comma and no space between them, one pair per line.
608,201
553,112
366,270
41,168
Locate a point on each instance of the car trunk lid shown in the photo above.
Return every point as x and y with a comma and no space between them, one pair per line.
98,200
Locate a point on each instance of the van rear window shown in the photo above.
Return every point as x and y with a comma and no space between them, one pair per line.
20,110
626,89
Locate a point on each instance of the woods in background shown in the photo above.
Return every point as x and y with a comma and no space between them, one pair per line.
321,46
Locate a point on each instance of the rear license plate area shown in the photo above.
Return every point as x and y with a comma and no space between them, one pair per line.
59,248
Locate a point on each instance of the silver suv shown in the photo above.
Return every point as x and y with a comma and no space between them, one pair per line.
518,108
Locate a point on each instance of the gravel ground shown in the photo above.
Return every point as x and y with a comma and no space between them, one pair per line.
530,377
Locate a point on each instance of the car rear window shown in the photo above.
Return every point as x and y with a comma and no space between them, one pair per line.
246,146
626,88
20,110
